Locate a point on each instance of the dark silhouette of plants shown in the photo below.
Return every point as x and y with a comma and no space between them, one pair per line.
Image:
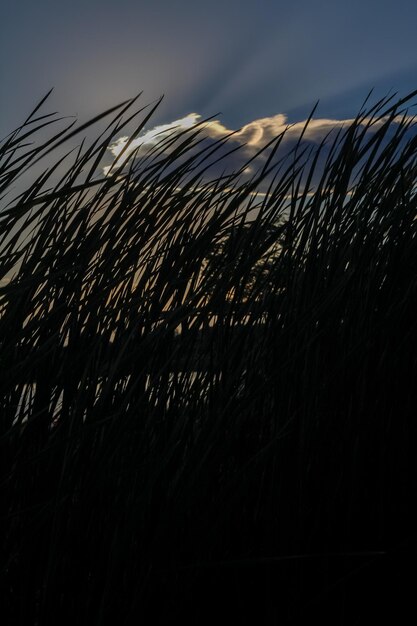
208,391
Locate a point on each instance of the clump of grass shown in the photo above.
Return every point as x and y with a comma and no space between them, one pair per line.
206,391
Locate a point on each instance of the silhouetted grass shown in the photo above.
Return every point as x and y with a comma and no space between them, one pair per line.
208,394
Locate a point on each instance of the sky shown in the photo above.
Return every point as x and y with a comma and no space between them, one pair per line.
238,59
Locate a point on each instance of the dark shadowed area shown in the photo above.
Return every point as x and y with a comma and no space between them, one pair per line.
208,389
208,304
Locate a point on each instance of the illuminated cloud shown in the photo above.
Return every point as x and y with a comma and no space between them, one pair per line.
151,137
253,136
156,134
255,133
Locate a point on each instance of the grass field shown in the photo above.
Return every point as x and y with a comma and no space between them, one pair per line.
208,381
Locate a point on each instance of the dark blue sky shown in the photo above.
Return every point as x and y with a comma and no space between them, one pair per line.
245,59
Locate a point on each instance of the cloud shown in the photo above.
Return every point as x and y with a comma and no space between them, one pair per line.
252,136
155,135
151,137
260,131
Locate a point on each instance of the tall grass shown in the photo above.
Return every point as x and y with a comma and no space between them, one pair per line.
208,393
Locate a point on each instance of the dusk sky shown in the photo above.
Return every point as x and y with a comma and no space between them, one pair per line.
243,59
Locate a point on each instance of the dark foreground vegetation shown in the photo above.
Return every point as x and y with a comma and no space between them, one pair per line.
208,394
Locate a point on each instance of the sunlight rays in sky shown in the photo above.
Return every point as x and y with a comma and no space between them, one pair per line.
244,59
